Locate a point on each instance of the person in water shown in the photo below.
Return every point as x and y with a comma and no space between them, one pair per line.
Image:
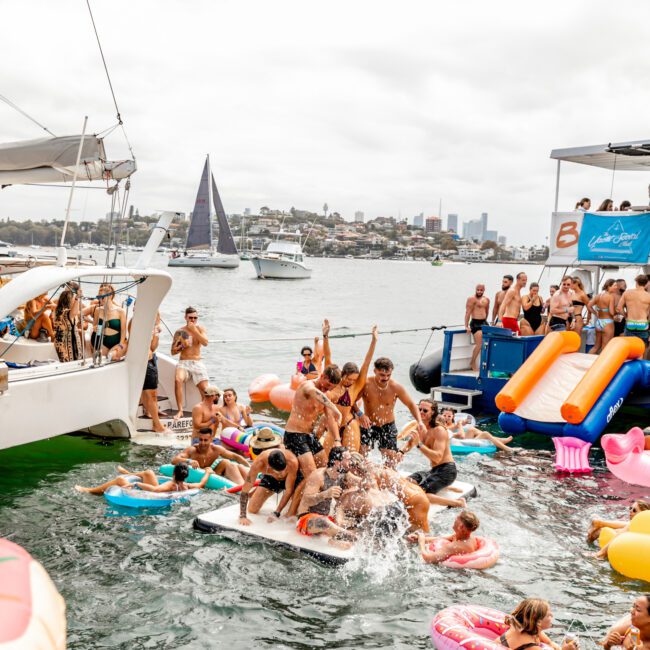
187,342
477,309
511,305
632,631
464,430
234,414
347,393
460,542
434,446
149,481
635,304
310,361
619,526
380,394
532,305
278,469
204,454
602,307
527,627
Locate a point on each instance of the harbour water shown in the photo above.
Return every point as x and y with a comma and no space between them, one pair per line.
150,581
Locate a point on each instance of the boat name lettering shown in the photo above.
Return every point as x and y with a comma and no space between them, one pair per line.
613,409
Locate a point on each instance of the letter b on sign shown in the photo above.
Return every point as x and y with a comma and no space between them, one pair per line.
567,235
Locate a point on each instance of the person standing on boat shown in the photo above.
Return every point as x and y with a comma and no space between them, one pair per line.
67,341
602,307
561,307
109,322
477,309
379,396
579,300
149,396
635,304
188,341
506,283
583,205
511,305
619,321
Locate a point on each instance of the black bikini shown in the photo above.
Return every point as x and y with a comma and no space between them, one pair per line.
504,642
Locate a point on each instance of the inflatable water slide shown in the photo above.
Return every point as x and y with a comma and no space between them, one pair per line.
559,391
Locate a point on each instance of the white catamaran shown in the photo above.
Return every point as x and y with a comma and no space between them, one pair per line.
199,249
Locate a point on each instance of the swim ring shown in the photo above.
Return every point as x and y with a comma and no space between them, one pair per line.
626,456
32,614
135,498
485,556
458,446
240,440
261,386
196,475
629,552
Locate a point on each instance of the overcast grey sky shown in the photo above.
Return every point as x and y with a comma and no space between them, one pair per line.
384,107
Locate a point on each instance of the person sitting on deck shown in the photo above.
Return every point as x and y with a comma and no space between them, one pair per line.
38,321
460,542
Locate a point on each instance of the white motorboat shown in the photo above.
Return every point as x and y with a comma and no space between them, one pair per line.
200,251
283,259
12,261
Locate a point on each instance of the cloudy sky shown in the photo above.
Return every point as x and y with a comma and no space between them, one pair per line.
384,107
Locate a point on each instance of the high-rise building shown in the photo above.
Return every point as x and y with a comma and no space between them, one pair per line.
433,224
359,217
418,220
247,212
452,222
477,228
491,235
484,220
501,240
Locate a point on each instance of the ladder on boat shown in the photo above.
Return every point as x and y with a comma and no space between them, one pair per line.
438,393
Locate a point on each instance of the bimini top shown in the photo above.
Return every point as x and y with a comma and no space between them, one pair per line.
626,156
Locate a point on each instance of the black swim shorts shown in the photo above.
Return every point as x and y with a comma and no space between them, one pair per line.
441,476
271,483
302,443
558,324
476,324
385,435
151,375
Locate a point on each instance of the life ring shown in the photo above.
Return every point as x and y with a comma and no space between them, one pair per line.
215,482
261,386
485,556
33,611
460,446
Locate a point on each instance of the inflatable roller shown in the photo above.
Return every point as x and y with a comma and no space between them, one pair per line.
261,386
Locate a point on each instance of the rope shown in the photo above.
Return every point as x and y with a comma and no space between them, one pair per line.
611,190
22,112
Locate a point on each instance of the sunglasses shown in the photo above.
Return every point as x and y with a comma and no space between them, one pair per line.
424,410
306,354
192,318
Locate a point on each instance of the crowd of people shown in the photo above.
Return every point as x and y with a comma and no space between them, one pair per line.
615,311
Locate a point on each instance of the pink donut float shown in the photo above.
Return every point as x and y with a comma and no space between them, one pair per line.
32,612
261,386
484,557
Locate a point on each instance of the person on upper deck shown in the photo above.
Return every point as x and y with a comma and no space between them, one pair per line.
606,206
583,205
532,305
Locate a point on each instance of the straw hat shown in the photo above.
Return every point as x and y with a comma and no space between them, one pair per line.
265,438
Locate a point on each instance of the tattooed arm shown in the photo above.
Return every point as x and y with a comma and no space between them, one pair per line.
326,402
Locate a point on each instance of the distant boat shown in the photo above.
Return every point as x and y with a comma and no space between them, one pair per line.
282,259
199,248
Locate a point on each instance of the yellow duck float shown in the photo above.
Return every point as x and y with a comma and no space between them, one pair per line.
629,551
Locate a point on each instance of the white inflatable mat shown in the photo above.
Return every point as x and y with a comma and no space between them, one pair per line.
283,533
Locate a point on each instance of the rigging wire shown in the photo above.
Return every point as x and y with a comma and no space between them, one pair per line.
22,112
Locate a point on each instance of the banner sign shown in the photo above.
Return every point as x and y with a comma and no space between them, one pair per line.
615,238
598,238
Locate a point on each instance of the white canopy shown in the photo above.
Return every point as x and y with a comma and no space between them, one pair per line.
624,156
52,160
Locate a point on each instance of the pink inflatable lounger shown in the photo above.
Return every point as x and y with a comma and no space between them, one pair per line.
571,455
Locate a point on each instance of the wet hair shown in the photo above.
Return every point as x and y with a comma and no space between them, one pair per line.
383,363
643,505
65,301
332,374
336,455
606,206
578,281
434,411
608,283
349,368
306,349
205,431
508,277
469,520
277,461
641,280
520,274
190,310
232,390
181,472
526,618
625,205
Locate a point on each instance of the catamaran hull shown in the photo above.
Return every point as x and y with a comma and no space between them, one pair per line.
208,261
280,269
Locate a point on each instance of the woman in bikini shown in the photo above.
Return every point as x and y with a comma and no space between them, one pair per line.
347,393
109,319
532,306
579,302
309,366
602,307
234,414
528,623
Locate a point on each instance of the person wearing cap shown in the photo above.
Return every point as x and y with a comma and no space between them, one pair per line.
206,413
278,469
204,454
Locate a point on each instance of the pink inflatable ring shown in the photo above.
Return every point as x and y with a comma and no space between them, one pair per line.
485,556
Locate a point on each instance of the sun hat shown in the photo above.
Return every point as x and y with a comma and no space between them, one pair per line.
212,391
265,438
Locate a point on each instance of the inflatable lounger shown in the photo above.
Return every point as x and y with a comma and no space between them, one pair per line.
284,533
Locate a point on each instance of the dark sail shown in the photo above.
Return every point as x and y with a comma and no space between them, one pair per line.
200,233
226,244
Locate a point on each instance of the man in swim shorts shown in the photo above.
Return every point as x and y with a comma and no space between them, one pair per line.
477,308
635,304
506,283
279,468
223,462
205,414
621,633
188,341
460,542
560,307
434,445
379,396
511,305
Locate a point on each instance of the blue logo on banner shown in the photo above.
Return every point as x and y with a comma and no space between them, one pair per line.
615,239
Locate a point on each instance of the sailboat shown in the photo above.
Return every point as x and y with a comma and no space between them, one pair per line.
199,249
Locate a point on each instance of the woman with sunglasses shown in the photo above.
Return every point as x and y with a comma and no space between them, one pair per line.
620,526
109,321
310,361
